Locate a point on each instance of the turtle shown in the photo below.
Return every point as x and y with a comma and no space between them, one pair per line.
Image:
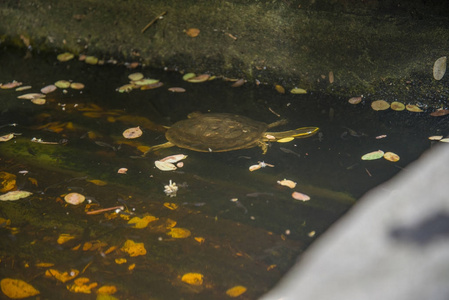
220,132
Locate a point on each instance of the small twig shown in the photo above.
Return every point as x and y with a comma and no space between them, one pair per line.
269,108
152,21
99,211
368,172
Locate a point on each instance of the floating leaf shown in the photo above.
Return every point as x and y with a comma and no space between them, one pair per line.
380,105
10,85
48,89
280,89
298,91
74,198
439,68
177,89
77,85
39,101
23,88
435,137
239,83
91,60
255,167
151,86
133,248
397,106
285,140
300,196
122,170
135,76
192,32
164,166
142,222
31,96
65,56
173,158
98,182
120,261
373,155
286,182
125,88
179,233
145,81
445,140
413,108
391,156
199,78
6,137
199,239
193,278
355,100
81,285
188,76
236,291
382,136
132,133
440,112
14,195
63,277
62,84
17,289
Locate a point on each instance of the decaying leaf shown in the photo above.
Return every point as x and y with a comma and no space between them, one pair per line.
193,278
6,137
132,133
435,137
98,182
81,285
373,155
380,105
7,182
107,289
391,156
10,85
63,277
31,96
397,106
133,248
65,56
173,158
122,171
239,83
74,198
355,100
125,88
179,233
236,291
142,222
14,195
17,289
48,89
298,91
199,78
171,206
288,183
177,89
439,68
300,196
164,166
413,108
440,113
64,238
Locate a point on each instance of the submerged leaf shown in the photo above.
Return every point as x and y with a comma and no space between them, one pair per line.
439,68
74,198
132,133
380,105
65,56
81,285
179,233
373,155
280,89
7,182
133,248
192,32
64,238
142,222
63,277
355,100
236,291
298,91
177,89
48,89
17,289
440,112
193,278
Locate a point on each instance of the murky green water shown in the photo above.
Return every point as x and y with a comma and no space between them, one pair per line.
250,242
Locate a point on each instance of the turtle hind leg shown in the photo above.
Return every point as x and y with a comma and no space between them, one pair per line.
158,147
298,133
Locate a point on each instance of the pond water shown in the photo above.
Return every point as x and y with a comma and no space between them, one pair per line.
226,227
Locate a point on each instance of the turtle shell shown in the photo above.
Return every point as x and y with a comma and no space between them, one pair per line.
216,133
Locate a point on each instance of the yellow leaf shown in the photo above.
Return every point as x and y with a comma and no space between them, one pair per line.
64,238
131,267
33,181
285,140
120,261
98,182
87,246
110,249
107,289
134,249
298,91
81,285
279,88
391,156
17,289
171,206
63,277
199,239
44,265
106,297
4,222
193,278
142,223
169,223
179,233
236,291
7,182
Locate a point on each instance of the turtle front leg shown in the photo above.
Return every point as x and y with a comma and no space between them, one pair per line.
157,147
